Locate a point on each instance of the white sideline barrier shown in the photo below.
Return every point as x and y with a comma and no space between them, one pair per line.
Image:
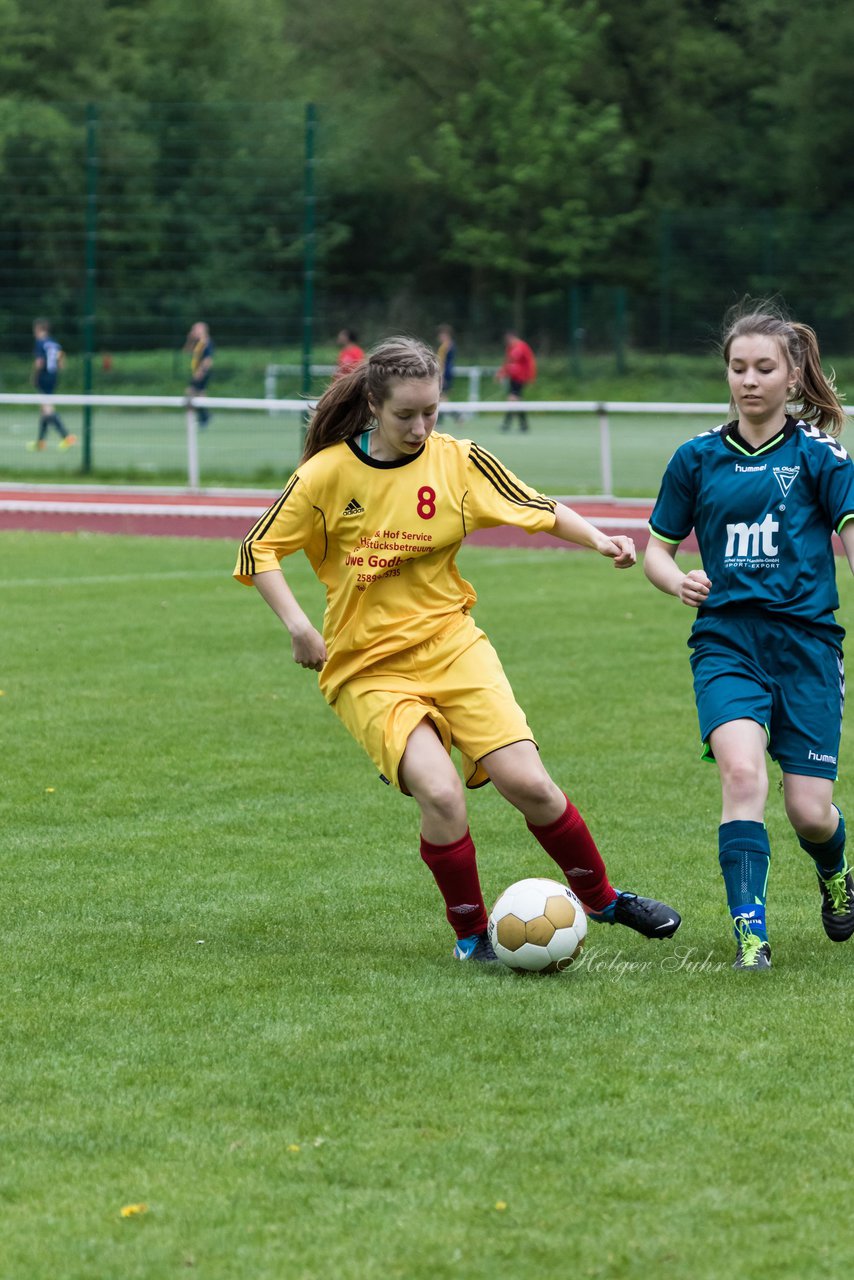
603,410
472,372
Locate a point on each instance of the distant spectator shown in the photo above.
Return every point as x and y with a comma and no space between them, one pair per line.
48,360
446,353
201,351
519,370
350,354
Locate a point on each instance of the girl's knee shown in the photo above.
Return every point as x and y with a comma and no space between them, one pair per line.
812,818
442,795
743,778
810,807
528,790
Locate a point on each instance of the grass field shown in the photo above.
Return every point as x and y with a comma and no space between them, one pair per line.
561,454
228,993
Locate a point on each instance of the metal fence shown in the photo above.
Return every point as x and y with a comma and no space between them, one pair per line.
603,447
125,221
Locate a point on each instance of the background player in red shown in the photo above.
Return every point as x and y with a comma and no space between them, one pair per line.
350,353
519,370
380,504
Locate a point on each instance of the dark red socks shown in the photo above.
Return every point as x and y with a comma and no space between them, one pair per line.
568,841
454,869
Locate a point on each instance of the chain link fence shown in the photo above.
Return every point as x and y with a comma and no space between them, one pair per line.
124,222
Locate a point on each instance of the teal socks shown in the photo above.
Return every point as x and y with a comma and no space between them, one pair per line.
745,856
829,857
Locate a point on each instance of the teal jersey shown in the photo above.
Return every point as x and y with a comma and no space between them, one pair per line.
763,518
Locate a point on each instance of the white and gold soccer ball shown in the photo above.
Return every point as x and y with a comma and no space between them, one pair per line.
538,926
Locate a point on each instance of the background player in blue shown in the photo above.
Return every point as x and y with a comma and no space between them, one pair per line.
446,353
48,359
201,351
764,494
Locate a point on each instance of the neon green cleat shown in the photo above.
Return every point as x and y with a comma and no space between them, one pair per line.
837,904
754,953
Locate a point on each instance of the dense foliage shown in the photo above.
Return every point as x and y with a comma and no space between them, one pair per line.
636,164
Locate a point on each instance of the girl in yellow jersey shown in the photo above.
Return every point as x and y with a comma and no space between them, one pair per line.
380,504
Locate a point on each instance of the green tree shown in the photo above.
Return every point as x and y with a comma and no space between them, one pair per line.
530,162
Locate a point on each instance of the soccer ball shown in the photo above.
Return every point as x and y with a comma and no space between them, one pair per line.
537,925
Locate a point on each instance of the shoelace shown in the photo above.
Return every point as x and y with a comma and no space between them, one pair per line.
837,888
750,944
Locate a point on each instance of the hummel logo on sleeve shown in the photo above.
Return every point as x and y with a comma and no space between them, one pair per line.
353,508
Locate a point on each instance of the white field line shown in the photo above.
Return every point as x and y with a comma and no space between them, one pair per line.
50,507
104,579
266,496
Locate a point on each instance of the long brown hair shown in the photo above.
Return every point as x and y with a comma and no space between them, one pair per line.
344,409
814,396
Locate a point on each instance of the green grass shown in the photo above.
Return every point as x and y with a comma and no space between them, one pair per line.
227,983
561,454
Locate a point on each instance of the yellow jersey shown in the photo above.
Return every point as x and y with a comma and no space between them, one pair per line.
383,537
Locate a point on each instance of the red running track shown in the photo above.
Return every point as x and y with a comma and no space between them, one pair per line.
229,514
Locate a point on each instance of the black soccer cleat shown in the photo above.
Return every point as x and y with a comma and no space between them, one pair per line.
478,948
645,915
837,904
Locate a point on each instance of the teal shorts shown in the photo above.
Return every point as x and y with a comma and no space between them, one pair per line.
787,679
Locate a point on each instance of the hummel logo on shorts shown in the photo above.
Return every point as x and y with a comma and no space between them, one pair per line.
353,508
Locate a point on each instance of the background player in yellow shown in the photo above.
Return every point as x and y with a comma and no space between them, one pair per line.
380,504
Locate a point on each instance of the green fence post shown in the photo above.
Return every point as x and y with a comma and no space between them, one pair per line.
309,219
620,328
575,330
89,279
665,246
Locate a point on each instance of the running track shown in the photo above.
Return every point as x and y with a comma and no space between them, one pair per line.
218,513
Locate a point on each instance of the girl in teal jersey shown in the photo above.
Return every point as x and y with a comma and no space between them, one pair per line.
764,494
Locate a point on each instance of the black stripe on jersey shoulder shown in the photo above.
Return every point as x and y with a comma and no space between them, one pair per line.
261,526
375,462
503,482
497,468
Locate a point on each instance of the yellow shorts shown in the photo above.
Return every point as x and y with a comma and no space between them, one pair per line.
456,681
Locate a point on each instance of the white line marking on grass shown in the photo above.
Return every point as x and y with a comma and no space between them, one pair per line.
102,579
127,509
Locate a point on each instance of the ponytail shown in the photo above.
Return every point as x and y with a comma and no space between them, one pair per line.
816,390
342,411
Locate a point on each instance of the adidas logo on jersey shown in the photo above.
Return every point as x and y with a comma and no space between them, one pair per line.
353,508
